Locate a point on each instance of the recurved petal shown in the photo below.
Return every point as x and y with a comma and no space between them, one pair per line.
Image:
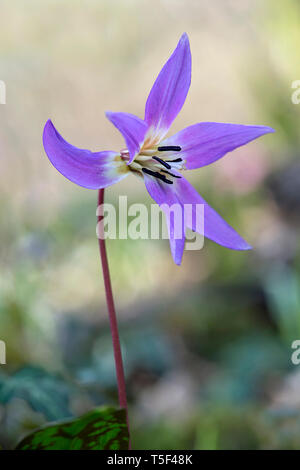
164,195
91,170
206,142
132,128
215,227
169,91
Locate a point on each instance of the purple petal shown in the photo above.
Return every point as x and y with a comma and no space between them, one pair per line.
169,91
206,142
132,128
215,227
91,170
165,197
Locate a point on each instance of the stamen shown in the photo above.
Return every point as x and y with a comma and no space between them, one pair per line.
167,148
166,165
171,174
177,160
157,175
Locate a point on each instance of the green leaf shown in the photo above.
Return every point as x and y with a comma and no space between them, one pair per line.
101,428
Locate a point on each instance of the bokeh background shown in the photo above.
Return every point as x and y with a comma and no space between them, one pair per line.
207,346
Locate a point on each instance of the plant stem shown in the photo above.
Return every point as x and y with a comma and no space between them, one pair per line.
112,313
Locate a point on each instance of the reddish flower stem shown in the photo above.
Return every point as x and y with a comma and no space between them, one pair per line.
112,313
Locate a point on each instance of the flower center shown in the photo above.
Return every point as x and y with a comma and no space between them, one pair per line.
158,162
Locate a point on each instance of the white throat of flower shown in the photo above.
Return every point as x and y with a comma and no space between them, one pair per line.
158,162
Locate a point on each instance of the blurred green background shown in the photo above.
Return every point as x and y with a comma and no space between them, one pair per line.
207,346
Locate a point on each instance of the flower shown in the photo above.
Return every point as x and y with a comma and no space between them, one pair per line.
159,160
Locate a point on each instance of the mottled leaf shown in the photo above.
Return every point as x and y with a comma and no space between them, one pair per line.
101,428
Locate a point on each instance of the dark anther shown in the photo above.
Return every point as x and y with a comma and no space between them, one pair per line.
171,174
166,165
157,175
167,148
177,160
